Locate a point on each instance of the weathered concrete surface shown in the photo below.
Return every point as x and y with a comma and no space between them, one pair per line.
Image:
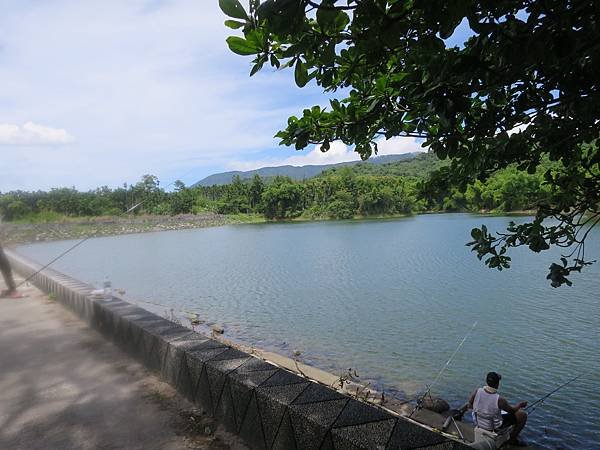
63,386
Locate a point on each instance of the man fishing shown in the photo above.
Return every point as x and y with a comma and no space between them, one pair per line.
11,291
490,423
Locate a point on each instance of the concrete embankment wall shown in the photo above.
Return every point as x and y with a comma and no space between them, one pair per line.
269,407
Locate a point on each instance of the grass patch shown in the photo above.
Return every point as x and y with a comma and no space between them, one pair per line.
246,218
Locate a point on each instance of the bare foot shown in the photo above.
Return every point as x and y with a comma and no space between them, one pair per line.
11,294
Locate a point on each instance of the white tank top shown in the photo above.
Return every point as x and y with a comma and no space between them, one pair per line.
486,413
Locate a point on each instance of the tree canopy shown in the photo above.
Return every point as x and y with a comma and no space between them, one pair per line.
362,190
521,89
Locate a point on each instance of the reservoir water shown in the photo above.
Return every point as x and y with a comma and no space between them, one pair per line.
391,299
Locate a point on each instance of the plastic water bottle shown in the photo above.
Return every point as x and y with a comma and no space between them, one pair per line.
107,289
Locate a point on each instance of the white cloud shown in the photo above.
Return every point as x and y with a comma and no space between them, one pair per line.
399,145
33,134
145,86
337,153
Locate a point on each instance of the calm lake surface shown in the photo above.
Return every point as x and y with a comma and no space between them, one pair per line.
391,299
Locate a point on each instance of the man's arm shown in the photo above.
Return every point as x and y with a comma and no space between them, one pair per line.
472,399
512,409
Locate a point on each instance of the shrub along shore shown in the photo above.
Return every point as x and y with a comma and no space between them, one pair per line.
413,186
22,232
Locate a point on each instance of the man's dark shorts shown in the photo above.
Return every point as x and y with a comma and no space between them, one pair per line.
508,419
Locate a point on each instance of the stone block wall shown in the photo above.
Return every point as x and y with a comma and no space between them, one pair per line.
269,407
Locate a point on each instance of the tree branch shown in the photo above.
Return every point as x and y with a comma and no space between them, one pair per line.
316,5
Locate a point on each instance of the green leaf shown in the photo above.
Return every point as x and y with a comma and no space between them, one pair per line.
234,24
373,105
325,17
398,76
275,62
341,20
256,68
301,74
233,8
241,46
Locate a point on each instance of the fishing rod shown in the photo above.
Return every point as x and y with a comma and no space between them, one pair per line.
429,387
531,408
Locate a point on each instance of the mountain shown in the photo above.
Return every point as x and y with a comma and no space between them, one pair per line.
297,172
420,166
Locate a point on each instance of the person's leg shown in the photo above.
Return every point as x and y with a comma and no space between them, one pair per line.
520,421
7,272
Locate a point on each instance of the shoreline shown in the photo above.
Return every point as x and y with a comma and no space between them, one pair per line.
307,374
358,390
13,234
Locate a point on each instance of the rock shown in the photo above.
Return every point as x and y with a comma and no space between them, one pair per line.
216,329
436,404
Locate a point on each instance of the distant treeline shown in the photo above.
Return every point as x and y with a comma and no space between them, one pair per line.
401,187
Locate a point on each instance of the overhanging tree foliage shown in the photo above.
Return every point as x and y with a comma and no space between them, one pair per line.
522,88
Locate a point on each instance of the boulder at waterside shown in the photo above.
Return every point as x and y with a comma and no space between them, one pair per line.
436,404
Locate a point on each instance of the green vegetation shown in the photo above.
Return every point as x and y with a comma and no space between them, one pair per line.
295,172
398,188
521,89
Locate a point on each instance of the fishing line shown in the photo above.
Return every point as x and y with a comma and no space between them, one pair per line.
539,402
77,244
429,387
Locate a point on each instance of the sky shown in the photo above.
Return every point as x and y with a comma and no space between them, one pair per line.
101,93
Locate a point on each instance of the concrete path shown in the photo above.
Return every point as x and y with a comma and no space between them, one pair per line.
62,386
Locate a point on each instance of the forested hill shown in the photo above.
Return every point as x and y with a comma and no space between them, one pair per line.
419,165
341,192
298,173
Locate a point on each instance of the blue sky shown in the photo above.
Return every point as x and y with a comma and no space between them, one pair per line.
100,93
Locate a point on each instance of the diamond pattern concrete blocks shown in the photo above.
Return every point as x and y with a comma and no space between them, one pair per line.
448,445
255,364
285,439
356,413
283,377
312,421
128,334
104,319
217,371
242,386
135,333
327,443
193,380
225,409
272,403
155,341
202,395
409,436
318,393
190,370
251,430
171,367
120,311
366,436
